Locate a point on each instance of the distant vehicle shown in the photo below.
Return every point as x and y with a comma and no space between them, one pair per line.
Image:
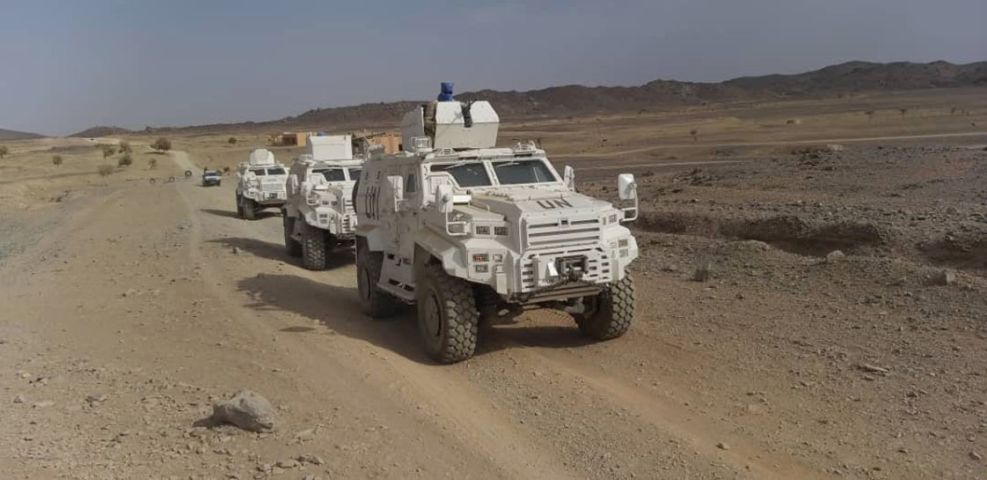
261,185
318,215
211,178
465,230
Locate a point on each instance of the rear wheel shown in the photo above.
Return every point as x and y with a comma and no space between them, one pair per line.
447,315
292,246
239,206
249,209
375,302
313,248
608,314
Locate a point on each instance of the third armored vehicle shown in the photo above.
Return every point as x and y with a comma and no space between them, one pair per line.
318,214
261,184
465,230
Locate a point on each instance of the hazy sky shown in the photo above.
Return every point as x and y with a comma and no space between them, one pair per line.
67,65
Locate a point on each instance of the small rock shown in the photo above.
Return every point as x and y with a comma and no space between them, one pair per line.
288,464
313,459
247,410
236,250
20,399
310,476
722,446
44,404
834,256
944,277
976,456
95,398
873,369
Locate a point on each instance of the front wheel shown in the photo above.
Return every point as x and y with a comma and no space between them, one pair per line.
292,246
313,248
608,314
249,209
447,315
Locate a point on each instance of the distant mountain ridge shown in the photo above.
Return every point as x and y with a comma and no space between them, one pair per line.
100,131
844,78
7,135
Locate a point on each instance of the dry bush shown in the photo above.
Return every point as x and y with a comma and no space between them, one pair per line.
231,141
162,144
125,147
56,160
105,169
4,151
152,163
108,150
125,161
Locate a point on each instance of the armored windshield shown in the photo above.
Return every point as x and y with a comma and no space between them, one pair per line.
515,172
467,175
275,171
332,174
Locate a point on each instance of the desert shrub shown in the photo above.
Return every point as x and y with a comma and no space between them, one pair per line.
4,151
152,163
231,140
125,147
108,150
105,169
695,134
56,160
162,144
125,161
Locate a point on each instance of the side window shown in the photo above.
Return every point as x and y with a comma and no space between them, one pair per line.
411,185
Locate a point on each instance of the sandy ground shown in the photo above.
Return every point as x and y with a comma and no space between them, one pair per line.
130,307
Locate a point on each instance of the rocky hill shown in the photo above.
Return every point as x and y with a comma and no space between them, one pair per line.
845,78
15,135
100,131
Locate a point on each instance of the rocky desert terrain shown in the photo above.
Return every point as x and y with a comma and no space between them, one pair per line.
811,305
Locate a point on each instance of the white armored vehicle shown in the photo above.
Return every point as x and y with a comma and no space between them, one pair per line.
467,232
319,214
261,184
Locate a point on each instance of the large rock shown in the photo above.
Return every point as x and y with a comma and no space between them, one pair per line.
247,410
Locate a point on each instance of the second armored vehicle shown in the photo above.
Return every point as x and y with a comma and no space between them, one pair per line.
467,231
318,214
211,178
262,182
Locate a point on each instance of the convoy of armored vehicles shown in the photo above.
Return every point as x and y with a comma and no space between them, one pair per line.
463,230
318,215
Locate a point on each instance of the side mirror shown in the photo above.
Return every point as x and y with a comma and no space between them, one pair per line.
569,177
626,186
443,197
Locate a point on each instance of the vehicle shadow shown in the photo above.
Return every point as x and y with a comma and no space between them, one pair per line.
339,258
338,308
232,213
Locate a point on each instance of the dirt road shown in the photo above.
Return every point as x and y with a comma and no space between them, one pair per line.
144,304
159,299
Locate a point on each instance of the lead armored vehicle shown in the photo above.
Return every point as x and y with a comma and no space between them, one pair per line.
466,231
261,185
318,214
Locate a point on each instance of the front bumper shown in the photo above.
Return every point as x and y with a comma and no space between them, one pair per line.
521,277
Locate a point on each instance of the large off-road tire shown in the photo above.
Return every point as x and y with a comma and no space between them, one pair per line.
314,251
609,313
249,209
447,315
376,302
292,246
